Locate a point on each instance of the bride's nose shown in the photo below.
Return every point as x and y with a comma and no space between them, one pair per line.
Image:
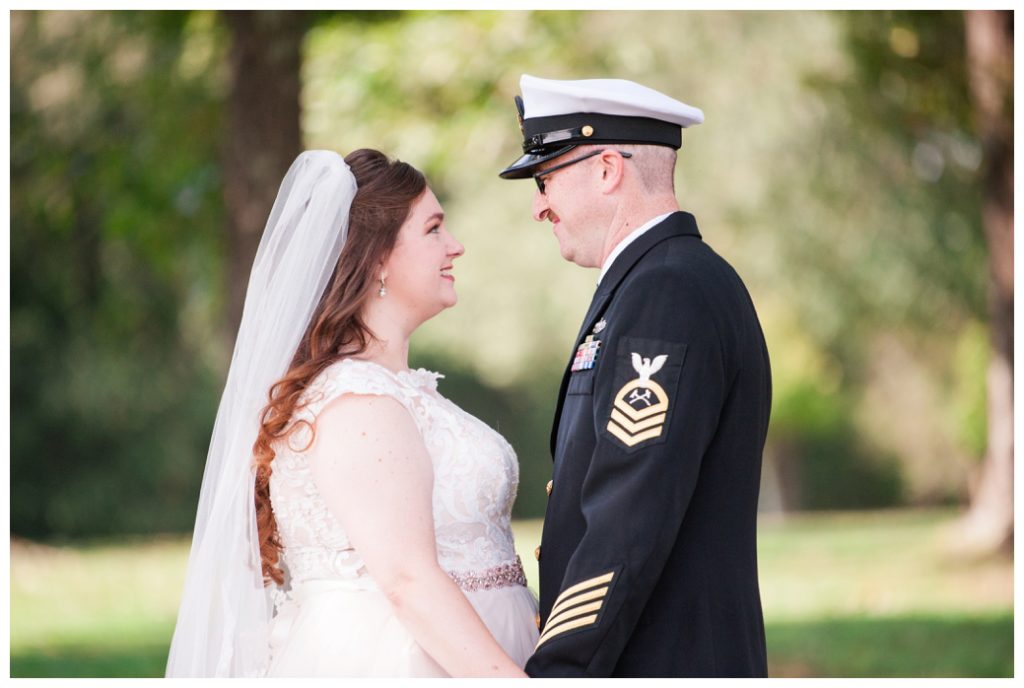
455,249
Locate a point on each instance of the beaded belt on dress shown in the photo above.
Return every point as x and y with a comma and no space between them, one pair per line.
502,576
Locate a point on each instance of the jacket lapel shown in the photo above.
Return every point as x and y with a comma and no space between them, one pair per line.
676,224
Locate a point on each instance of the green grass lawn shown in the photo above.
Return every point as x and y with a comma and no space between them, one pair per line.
858,595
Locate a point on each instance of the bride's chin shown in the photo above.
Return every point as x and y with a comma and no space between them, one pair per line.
441,306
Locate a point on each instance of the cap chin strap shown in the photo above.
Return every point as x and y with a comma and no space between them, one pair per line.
534,144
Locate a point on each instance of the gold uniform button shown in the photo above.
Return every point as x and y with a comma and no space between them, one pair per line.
551,484
587,130
536,553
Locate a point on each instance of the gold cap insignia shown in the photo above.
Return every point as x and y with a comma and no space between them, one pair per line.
587,130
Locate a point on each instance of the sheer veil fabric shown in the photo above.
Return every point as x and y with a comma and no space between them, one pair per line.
225,612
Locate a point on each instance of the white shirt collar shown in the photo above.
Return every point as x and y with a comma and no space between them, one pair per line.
626,241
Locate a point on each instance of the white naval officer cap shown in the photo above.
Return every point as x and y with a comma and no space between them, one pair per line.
556,116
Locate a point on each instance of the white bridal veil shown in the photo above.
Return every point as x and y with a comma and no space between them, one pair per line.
225,609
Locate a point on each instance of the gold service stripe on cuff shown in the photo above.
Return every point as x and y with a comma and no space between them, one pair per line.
573,612
576,599
567,626
590,583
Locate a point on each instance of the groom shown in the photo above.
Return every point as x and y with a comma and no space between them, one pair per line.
648,561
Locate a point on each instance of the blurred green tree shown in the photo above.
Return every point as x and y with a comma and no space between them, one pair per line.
115,246
922,131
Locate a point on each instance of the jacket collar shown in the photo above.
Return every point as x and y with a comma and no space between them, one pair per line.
677,224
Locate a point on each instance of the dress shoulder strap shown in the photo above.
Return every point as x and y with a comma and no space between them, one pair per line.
351,376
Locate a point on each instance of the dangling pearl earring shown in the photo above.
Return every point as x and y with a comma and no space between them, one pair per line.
383,291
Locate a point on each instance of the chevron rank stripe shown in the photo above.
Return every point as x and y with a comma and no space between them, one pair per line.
577,606
631,427
637,416
633,440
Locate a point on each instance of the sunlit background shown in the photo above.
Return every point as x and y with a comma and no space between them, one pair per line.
853,167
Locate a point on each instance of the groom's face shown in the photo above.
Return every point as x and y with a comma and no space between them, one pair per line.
569,204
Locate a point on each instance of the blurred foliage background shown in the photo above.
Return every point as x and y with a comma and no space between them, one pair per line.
848,168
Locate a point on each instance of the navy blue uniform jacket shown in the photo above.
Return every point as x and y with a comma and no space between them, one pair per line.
648,559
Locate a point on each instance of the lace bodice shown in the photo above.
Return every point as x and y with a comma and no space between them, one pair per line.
475,480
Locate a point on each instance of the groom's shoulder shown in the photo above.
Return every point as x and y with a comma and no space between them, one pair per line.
688,262
681,263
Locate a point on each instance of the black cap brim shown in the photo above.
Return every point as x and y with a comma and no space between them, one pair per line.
525,166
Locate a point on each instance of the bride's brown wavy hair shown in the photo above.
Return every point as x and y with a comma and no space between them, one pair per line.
386,191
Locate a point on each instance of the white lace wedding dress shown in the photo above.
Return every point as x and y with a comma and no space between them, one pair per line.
333,620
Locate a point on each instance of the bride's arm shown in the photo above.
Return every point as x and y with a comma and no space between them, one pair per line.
370,465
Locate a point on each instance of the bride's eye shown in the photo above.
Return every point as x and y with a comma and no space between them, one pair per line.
434,230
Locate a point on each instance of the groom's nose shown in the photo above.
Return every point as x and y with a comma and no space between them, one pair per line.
540,206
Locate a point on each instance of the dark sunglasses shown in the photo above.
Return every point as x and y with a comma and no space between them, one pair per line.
537,177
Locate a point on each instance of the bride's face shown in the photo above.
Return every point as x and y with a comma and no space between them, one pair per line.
418,273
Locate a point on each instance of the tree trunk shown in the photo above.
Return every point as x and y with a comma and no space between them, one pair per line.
988,525
263,133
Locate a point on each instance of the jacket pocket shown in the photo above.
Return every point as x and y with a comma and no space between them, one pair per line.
581,382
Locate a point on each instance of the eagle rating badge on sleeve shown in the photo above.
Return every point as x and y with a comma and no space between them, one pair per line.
641,406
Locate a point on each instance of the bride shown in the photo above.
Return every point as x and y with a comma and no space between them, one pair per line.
352,521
